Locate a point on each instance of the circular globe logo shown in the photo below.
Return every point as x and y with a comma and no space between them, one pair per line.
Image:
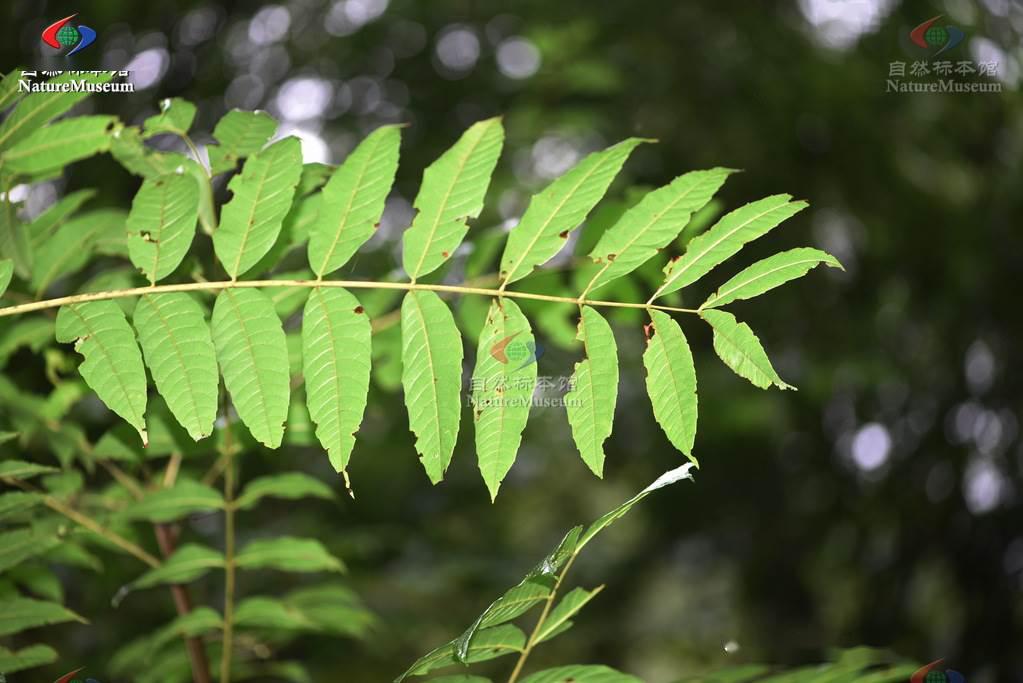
929,35
68,36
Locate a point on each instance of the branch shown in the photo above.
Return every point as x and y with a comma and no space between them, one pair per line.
349,284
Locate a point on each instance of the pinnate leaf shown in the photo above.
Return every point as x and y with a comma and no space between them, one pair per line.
113,363
161,223
251,221
591,402
288,554
740,349
580,673
336,358
19,614
769,273
288,485
185,498
452,192
503,383
61,143
353,200
559,209
671,381
253,356
179,351
653,224
431,354
176,116
240,134
726,238
188,563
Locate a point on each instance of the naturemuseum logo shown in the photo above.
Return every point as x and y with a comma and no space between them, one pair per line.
930,674
68,37
931,75
509,350
944,38
71,678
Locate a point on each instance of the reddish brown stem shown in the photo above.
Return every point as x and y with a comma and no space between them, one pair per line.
183,604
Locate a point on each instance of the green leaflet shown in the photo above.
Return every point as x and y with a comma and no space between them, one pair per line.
113,364
431,357
516,601
71,247
608,518
288,485
176,116
14,239
178,349
18,470
6,271
353,201
12,661
9,94
37,109
580,673
503,383
240,134
253,357
161,224
268,613
653,224
188,563
452,192
489,643
591,402
198,622
20,614
559,209
336,359
333,608
769,273
127,148
288,554
24,544
726,238
17,502
42,227
185,498
559,617
61,143
737,345
262,192
671,381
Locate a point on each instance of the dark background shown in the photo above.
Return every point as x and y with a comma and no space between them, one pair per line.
878,505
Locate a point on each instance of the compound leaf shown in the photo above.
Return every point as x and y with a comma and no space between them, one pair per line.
671,381
452,192
251,221
503,383
336,359
590,403
652,224
161,223
113,363
353,200
431,355
179,351
253,356
740,349
726,238
559,209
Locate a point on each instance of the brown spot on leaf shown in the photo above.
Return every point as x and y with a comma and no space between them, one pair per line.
359,309
563,234
611,257
648,330
445,254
